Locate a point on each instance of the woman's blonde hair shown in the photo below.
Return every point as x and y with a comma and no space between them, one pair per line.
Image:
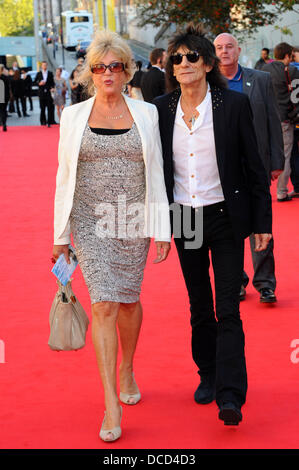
102,43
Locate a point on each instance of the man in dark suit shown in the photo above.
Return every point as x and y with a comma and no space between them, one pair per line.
258,87
153,81
212,168
44,79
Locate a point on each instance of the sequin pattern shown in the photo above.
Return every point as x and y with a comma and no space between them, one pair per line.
110,168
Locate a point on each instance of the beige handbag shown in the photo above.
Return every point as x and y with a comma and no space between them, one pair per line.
68,320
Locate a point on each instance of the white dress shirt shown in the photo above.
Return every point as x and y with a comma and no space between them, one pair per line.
196,175
45,75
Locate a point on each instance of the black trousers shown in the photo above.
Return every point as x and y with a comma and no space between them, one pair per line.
217,335
46,103
21,99
3,114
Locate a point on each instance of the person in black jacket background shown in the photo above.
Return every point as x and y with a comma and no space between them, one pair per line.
18,91
153,81
27,87
45,80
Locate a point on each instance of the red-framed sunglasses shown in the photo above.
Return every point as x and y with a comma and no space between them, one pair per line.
115,67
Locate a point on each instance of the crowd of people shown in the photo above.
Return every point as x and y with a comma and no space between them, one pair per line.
53,90
197,132
17,86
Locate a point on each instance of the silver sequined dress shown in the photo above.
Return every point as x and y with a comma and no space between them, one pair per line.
110,173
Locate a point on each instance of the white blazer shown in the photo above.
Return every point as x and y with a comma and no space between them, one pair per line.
72,125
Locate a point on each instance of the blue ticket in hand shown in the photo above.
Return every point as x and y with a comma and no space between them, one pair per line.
62,270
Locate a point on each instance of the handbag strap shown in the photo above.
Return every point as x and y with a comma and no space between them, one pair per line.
66,292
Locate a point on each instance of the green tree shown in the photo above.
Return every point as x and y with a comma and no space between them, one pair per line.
217,15
16,17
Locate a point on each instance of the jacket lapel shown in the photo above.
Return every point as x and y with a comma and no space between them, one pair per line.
140,124
172,107
220,127
79,122
248,81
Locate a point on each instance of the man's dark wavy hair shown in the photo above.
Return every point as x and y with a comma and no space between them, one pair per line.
193,38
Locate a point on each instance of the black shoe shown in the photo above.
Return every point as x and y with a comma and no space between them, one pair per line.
242,293
284,199
230,414
267,296
4,128
49,125
26,115
206,391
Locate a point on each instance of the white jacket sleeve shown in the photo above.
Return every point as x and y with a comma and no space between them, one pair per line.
159,203
61,189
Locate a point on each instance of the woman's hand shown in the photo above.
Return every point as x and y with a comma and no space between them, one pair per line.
163,249
58,250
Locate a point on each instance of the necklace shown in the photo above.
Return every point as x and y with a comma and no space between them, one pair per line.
194,115
114,117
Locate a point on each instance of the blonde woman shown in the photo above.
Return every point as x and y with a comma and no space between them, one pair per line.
110,158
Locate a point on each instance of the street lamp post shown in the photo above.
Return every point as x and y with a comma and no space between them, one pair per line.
104,14
61,32
36,34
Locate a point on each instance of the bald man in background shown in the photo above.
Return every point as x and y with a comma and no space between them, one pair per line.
258,86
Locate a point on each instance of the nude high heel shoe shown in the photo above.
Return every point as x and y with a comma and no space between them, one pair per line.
116,431
130,398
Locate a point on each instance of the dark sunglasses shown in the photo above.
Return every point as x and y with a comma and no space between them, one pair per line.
192,57
115,67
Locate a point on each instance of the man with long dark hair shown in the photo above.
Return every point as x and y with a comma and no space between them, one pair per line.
212,166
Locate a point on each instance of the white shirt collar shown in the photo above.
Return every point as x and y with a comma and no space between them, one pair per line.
157,67
201,108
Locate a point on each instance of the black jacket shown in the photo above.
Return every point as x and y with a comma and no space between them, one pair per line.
257,85
152,84
242,174
44,90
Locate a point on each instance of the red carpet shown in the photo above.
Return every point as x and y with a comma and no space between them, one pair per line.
55,400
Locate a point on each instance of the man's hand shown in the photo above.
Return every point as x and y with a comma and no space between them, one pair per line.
261,241
275,174
163,249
